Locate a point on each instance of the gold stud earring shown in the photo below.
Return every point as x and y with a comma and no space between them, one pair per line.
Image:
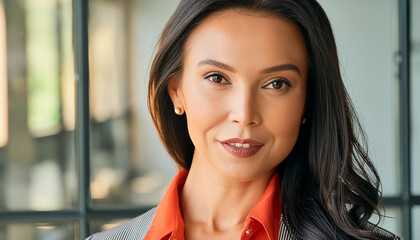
178,111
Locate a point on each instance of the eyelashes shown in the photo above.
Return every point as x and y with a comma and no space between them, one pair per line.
277,84
216,78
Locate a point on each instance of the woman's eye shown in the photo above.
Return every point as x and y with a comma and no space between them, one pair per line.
216,78
278,84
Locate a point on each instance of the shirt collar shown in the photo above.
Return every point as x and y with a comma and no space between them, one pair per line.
168,222
267,211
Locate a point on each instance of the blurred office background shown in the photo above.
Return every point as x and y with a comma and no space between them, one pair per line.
44,193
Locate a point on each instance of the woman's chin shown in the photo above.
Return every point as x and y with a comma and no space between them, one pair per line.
240,172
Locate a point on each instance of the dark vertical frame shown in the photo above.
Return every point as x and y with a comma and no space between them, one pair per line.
80,20
404,39
406,200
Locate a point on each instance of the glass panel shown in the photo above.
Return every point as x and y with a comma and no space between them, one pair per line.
39,231
103,225
129,164
416,222
391,221
415,96
367,41
37,157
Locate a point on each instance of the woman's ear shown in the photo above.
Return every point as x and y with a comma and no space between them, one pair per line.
173,91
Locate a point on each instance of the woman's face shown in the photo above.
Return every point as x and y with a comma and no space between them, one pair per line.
243,89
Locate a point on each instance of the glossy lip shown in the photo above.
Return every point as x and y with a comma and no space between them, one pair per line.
241,152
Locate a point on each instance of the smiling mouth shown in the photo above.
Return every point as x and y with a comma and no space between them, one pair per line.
241,148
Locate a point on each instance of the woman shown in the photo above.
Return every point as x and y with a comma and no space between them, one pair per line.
248,99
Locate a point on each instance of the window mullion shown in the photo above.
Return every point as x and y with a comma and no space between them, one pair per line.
80,16
405,118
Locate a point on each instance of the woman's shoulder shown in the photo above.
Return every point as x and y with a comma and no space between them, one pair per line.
135,228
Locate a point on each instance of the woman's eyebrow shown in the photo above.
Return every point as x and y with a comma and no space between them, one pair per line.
281,67
215,63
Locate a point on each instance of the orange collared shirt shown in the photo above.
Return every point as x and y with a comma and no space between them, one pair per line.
262,223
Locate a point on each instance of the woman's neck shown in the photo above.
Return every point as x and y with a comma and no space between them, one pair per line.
214,204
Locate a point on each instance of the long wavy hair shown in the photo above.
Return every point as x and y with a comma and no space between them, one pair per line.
330,188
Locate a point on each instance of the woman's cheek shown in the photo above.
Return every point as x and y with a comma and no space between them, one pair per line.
284,120
203,110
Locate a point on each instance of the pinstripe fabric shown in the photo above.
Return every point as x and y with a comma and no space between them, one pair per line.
137,228
134,229
381,231
285,234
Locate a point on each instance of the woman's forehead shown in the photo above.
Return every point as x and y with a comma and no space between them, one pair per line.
238,37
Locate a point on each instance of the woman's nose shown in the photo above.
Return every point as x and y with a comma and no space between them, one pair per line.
244,108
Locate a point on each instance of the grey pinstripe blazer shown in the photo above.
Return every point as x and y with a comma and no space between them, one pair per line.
136,229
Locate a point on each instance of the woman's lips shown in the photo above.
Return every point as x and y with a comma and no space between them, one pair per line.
242,148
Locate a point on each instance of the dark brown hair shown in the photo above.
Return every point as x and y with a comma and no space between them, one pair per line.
329,187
